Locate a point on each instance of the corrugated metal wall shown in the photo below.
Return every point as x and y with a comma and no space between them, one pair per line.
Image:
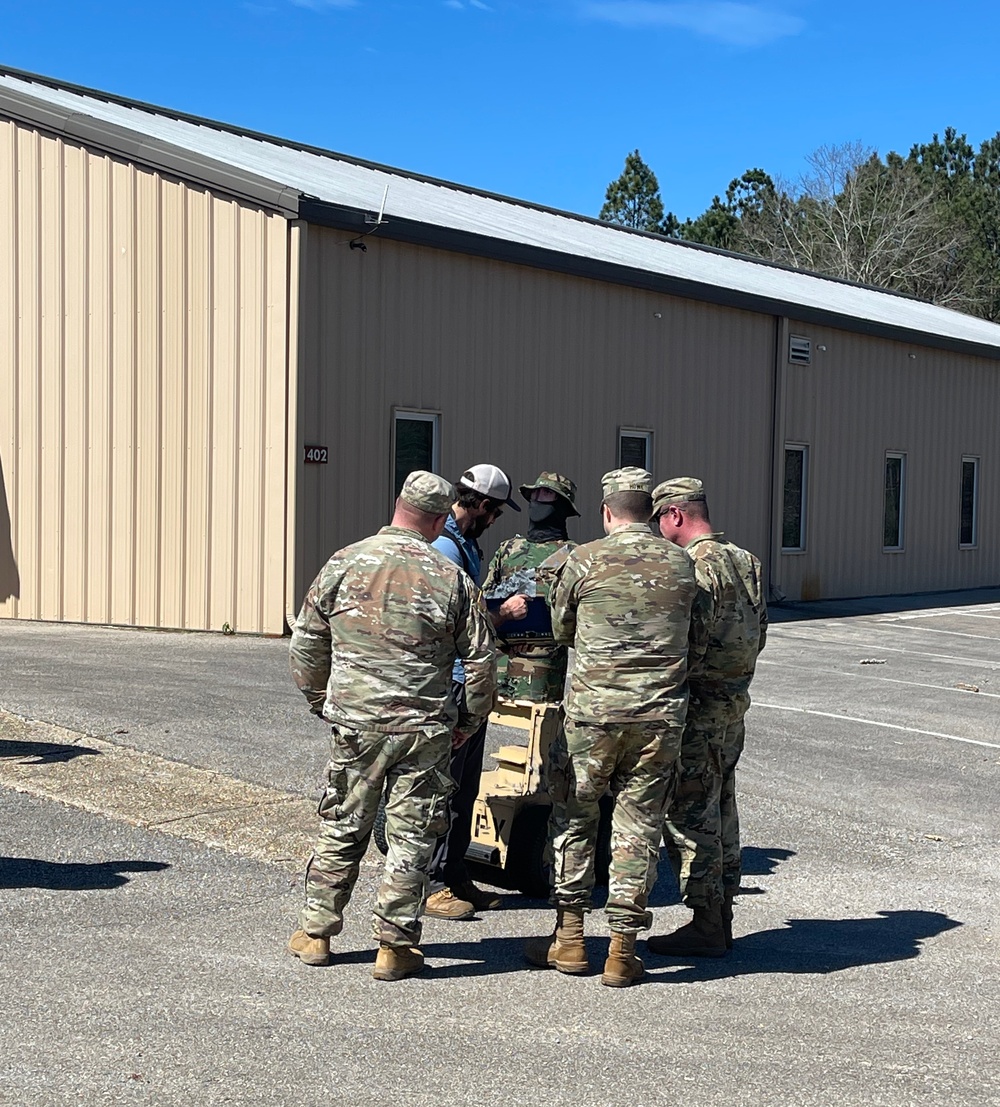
530,370
860,398
143,347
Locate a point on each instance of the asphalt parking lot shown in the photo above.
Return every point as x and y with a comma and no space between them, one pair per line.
140,967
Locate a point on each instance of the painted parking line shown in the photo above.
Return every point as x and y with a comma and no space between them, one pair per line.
868,675
876,723
938,630
991,663
903,616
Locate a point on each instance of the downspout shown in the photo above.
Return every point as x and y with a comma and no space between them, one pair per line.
777,460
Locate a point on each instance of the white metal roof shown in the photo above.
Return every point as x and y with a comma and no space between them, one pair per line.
338,180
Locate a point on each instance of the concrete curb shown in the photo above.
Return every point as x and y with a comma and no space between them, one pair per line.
144,790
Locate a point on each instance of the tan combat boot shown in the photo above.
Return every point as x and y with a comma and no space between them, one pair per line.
622,966
309,950
446,905
395,962
563,949
481,900
703,936
727,917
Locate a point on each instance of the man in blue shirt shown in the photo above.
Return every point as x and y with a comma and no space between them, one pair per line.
483,492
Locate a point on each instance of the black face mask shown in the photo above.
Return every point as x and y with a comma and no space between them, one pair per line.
547,521
539,513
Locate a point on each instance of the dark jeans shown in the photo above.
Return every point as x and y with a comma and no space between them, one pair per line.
448,867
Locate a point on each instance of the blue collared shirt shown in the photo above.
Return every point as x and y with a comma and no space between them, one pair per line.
467,555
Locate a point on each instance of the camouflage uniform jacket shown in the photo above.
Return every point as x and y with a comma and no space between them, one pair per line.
739,629
373,646
631,606
533,670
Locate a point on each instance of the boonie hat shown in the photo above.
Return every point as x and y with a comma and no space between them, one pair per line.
554,482
677,490
629,479
428,492
488,480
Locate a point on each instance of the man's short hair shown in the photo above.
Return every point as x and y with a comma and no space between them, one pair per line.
697,509
632,505
469,498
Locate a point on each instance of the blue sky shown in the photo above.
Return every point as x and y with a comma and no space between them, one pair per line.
542,99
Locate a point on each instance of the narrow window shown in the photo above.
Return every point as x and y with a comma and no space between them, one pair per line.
793,514
969,533
892,518
635,447
414,445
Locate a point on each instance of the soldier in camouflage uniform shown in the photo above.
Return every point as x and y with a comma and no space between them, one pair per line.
630,606
702,832
372,651
534,670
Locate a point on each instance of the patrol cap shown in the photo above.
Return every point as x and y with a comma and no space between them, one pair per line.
489,480
428,492
554,482
629,479
677,490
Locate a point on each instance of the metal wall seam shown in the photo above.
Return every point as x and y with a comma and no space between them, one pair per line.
10,577
298,244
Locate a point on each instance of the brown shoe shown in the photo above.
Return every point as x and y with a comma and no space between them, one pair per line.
395,962
622,966
446,905
309,950
564,949
480,899
703,936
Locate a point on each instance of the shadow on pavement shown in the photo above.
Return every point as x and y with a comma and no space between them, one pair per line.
491,956
795,612
813,946
757,861
66,876
804,946
42,752
763,860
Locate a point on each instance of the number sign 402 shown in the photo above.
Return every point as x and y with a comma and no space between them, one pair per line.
316,455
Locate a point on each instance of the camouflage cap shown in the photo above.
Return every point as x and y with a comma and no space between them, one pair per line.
629,479
678,490
428,492
555,482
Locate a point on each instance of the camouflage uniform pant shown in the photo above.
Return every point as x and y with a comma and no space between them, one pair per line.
415,766
702,832
635,760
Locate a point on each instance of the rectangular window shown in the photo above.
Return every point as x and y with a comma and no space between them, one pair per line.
892,517
793,513
414,444
969,532
635,447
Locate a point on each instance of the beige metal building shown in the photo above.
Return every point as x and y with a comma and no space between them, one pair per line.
220,352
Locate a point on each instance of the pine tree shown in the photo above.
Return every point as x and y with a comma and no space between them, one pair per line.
633,200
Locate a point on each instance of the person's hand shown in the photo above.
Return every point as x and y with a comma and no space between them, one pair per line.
458,739
514,608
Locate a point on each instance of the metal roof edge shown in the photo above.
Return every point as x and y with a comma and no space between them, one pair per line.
319,151
151,152
415,233
245,185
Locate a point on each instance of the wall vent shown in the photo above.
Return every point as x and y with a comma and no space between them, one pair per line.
799,349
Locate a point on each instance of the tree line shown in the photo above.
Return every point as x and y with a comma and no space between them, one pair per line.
927,224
